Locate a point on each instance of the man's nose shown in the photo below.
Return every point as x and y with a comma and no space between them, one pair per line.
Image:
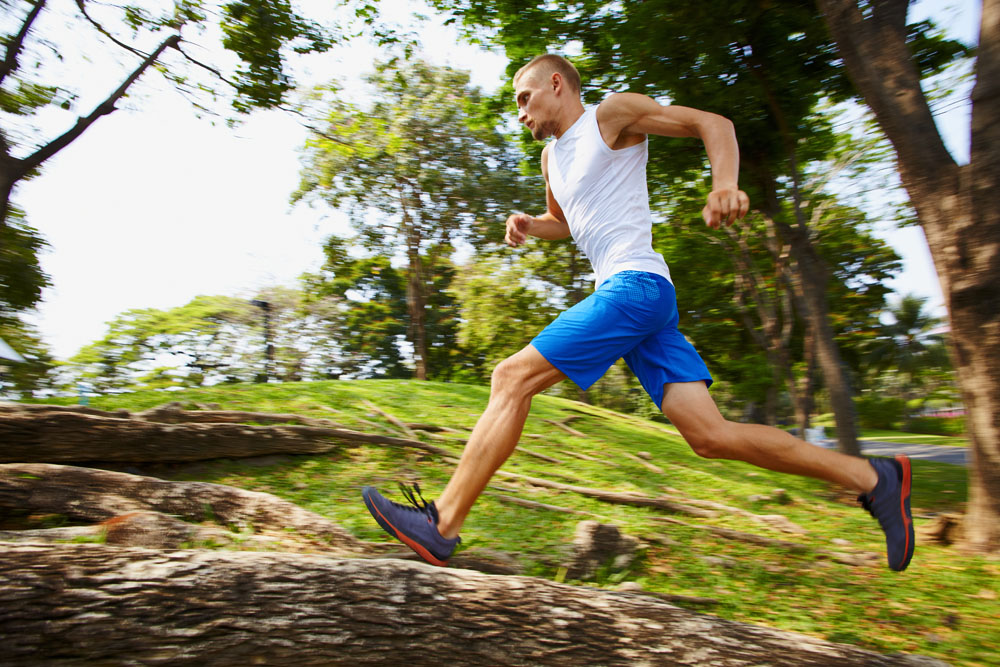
522,116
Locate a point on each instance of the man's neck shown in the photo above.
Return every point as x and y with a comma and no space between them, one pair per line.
569,117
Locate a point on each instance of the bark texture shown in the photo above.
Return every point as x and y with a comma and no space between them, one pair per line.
131,510
239,608
88,495
56,434
956,208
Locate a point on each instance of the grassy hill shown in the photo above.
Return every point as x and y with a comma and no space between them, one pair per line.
945,605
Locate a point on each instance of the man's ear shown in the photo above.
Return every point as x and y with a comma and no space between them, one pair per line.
557,81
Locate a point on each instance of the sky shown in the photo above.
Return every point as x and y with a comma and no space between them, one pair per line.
153,206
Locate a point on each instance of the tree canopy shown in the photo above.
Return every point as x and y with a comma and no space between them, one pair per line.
420,171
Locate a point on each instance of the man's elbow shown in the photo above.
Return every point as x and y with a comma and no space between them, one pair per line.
718,124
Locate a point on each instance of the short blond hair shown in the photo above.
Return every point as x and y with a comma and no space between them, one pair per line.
548,63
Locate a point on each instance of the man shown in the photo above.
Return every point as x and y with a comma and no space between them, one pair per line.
595,182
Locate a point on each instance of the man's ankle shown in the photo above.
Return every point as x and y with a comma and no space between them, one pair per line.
871,478
446,524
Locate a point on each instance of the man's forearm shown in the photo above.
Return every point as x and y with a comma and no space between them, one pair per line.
723,152
549,227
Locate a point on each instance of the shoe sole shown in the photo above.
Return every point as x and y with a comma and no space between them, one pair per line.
387,526
904,501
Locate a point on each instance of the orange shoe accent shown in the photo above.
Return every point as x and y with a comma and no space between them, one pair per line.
904,494
419,548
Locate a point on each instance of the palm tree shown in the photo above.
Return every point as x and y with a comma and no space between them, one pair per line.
910,345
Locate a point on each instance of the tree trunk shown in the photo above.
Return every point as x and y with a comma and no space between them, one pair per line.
810,275
94,604
805,386
957,210
810,279
416,299
769,297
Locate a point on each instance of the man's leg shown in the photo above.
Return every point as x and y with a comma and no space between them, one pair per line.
515,381
691,409
884,483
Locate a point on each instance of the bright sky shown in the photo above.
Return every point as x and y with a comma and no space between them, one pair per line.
152,207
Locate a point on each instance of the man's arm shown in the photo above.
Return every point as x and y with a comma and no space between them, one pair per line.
626,118
550,225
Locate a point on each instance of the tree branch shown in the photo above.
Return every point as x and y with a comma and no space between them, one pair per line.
9,63
101,29
104,108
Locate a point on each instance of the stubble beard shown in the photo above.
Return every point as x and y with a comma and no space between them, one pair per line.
544,130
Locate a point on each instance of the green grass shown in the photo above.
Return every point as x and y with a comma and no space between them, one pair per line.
944,606
905,437
914,438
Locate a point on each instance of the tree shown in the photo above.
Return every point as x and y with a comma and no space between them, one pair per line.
183,346
370,298
23,378
908,345
419,171
210,340
954,204
21,283
37,75
501,311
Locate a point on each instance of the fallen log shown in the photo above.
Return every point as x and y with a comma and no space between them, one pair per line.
130,510
59,435
94,604
90,495
173,413
539,455
563,426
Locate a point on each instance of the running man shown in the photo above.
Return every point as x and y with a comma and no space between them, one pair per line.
595,186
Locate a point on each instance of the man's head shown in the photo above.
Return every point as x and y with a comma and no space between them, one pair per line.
547,64
544,89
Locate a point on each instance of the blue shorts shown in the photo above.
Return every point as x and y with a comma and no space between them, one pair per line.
632,314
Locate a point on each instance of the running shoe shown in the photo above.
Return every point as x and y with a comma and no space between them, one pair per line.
889,502
415,526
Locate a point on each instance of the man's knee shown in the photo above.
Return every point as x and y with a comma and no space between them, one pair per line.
509,377
709,443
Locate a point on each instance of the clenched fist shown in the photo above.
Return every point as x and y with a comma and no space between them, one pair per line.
724,204
517,229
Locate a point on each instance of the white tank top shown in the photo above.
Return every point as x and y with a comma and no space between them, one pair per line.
603,194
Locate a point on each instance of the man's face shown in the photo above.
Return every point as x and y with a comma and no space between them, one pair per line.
536,104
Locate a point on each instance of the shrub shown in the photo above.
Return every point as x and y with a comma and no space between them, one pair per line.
937,425
880,412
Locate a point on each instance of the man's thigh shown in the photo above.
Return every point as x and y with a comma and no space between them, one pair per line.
690,407
584,341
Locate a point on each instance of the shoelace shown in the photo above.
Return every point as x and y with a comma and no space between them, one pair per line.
412,494
420,504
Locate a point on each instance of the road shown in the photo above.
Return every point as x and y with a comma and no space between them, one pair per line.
939,453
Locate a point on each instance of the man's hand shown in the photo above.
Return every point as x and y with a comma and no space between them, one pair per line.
517,229
726,204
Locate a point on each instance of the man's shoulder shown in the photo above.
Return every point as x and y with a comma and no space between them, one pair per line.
616,113
618,105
